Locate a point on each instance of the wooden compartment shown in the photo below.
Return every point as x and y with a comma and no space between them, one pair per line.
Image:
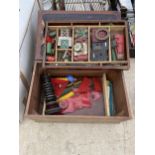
118,32
35,111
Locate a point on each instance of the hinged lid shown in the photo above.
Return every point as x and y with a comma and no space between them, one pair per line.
96,40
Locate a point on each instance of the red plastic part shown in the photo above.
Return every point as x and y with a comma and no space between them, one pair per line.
49,39
97,84
77,102
84,86
50,58
120,43
81,58
59,86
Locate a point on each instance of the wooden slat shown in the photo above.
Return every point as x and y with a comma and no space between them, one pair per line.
127,44
89,48
106,100
44,108
90,62
92,26
109,44
126,96
61,49
56,45
72,51
31,87
44,52
77,119
85,66
24,81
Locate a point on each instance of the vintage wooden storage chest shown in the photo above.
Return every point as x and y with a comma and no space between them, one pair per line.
97,35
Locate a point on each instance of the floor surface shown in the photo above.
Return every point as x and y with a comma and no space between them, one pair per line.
81,139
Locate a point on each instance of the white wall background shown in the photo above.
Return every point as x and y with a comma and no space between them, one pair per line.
28,15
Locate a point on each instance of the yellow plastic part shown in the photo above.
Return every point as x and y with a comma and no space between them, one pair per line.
61,78
65,97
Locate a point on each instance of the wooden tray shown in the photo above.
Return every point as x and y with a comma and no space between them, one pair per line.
46,22
120,96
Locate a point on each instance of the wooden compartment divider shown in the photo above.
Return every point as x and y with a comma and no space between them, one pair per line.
109,44
44,52
91,26
44,107
91,62
72,52
60,49
105,94
89,48
56,48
